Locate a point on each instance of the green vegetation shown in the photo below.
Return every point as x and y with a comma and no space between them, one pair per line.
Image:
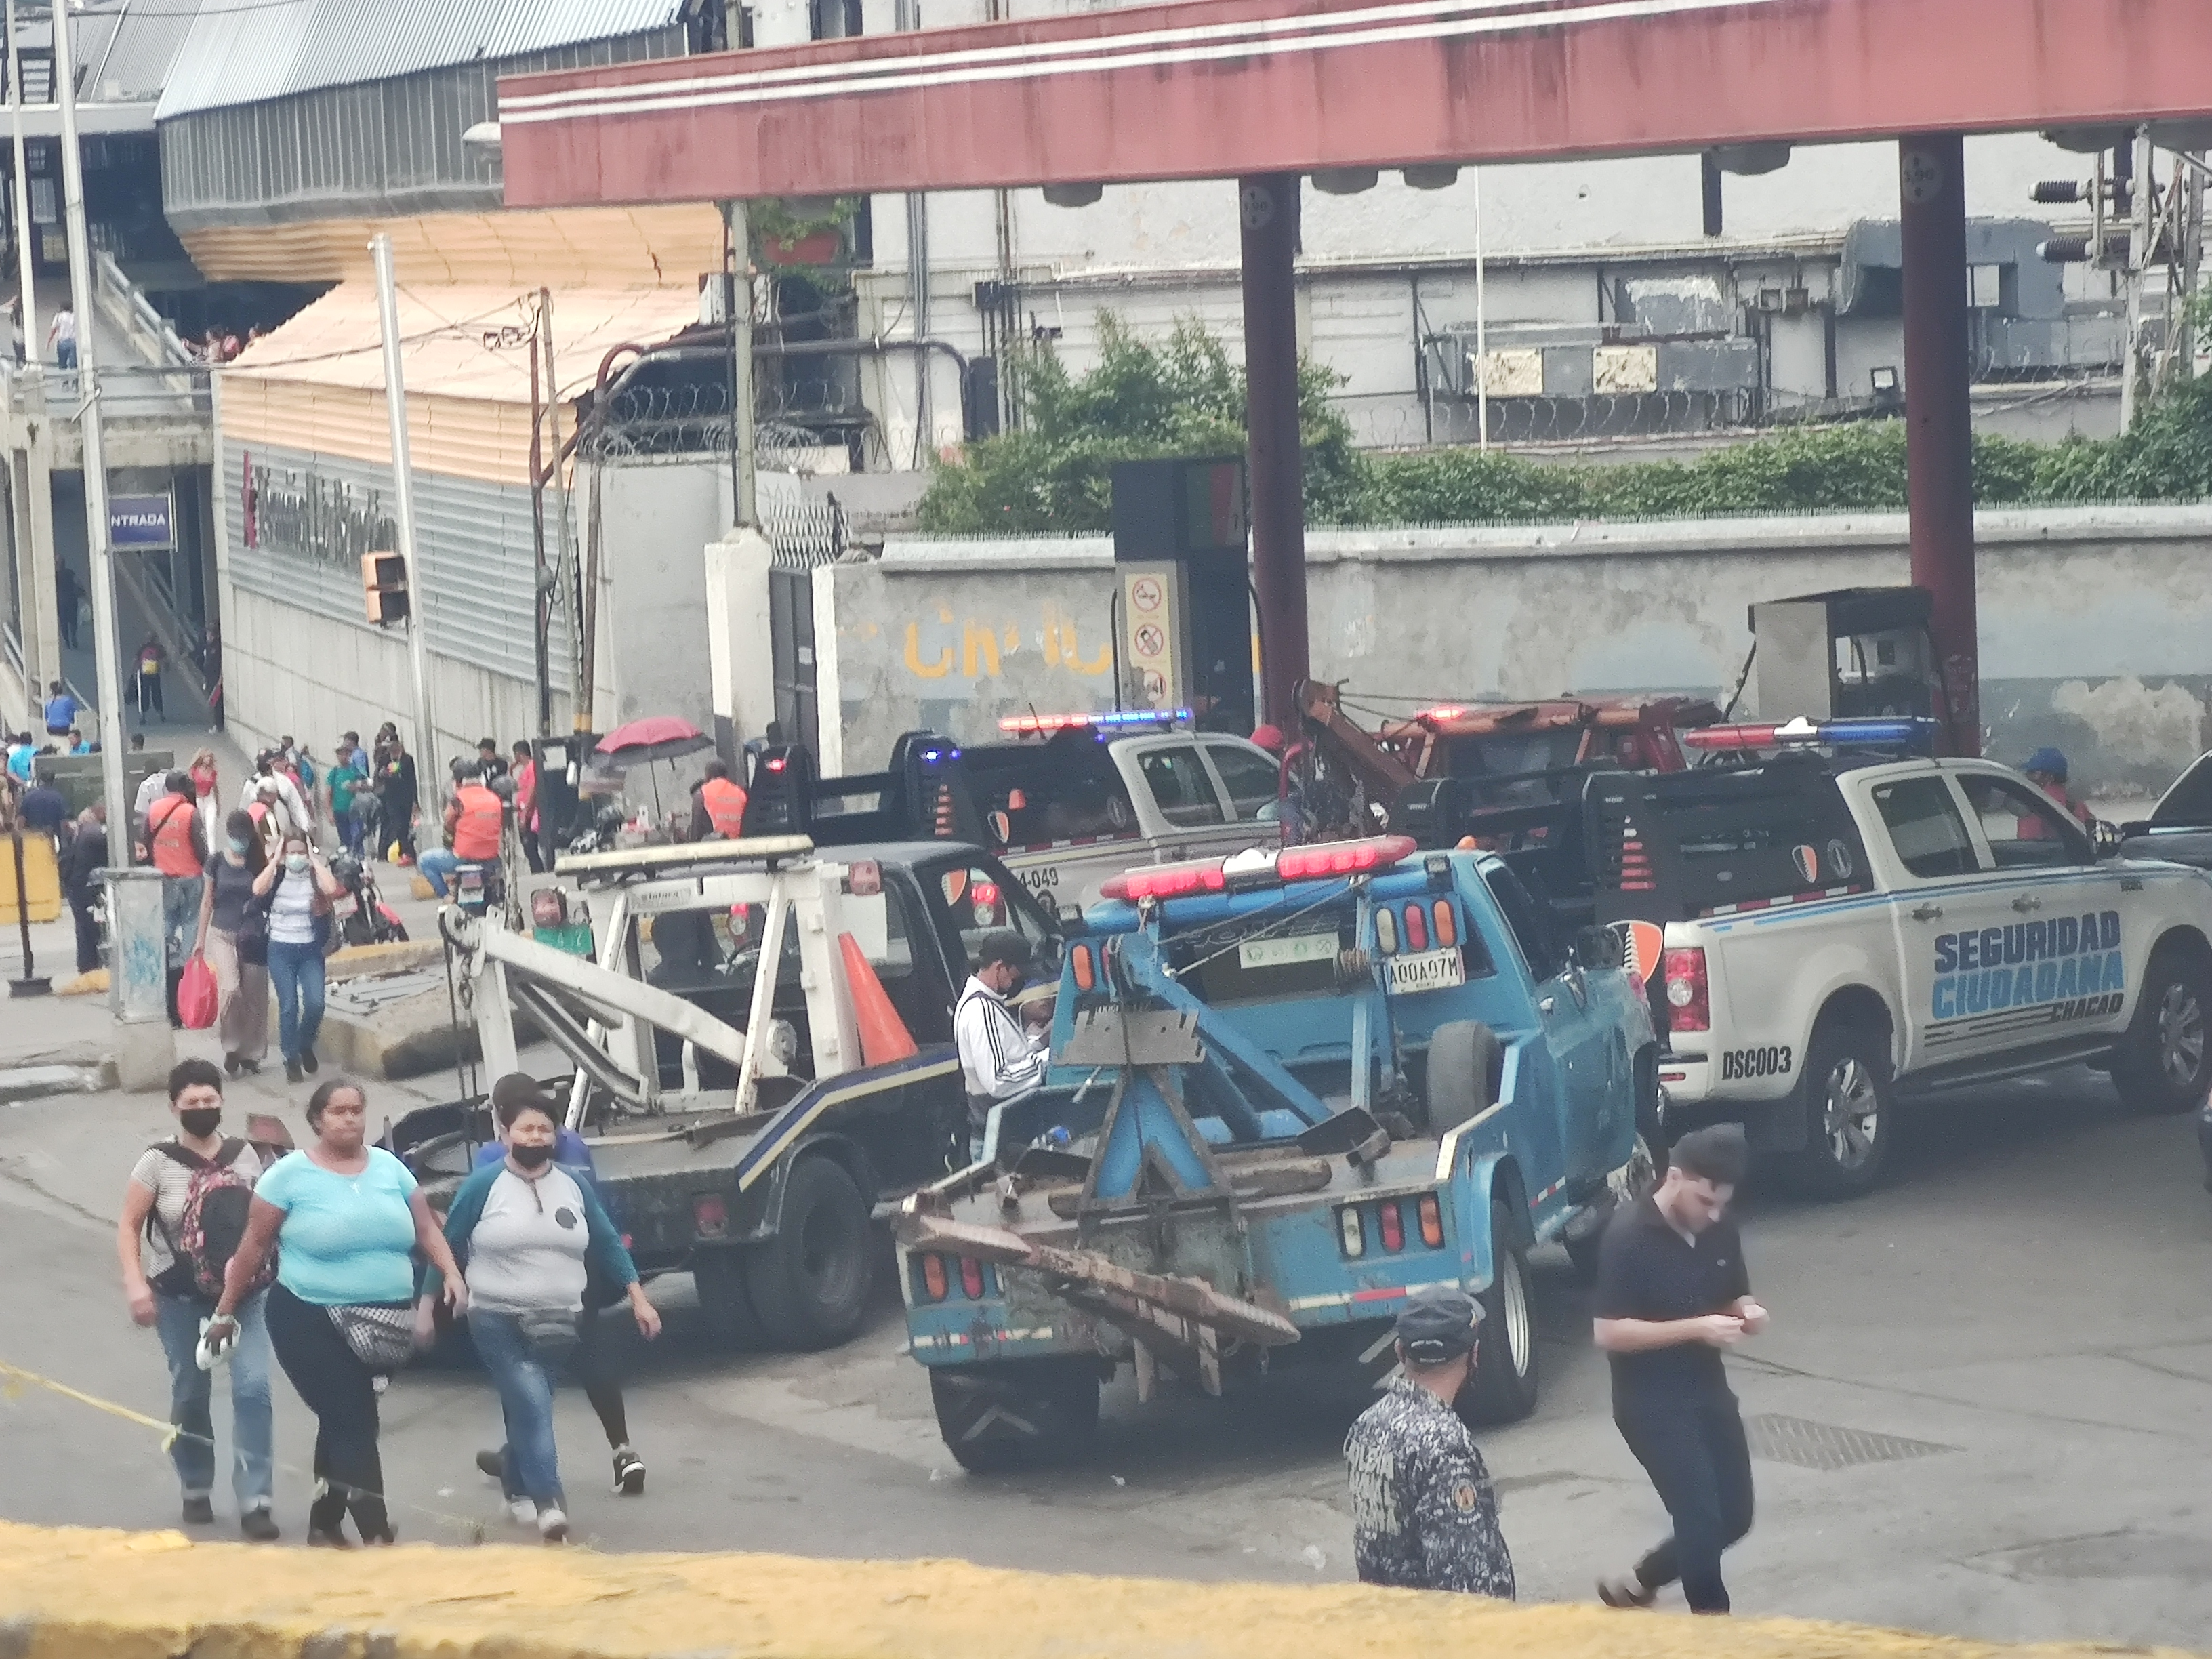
1187,398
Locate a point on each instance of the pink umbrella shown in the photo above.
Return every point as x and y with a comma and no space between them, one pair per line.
656,738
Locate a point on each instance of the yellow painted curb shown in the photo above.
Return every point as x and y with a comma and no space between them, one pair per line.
356,960
87,1595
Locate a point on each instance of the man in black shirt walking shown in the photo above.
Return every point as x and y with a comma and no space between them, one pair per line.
1673,1294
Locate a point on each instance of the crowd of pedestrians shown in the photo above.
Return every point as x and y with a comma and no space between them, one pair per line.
330,1258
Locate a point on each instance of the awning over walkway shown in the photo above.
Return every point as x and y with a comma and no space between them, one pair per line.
317,383
1222,88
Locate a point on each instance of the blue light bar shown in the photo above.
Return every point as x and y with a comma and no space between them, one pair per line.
1093,720
1883,731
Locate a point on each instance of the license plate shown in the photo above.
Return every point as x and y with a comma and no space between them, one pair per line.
1426,970
1287,952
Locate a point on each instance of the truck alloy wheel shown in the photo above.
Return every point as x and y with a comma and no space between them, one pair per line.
1504,1387
2162,1064
1013,1415
1845,1095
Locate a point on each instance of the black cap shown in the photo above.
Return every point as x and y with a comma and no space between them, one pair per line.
1438,1324
1005,945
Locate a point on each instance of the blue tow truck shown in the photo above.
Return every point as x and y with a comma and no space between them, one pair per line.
1287,1089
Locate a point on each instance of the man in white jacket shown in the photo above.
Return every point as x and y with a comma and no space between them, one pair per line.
998,1059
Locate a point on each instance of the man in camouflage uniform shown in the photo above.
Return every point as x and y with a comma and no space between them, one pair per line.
1423,1513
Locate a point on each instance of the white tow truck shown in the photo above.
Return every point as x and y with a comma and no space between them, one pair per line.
749,1107
1845,930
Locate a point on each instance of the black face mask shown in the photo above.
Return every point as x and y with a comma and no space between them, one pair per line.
200,1121
531,1158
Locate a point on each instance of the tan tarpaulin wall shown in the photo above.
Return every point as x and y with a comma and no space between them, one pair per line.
318,382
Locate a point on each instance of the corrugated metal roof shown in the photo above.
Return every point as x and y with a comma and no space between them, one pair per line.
242,52
146,37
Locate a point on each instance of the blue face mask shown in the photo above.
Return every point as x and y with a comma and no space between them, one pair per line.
239,847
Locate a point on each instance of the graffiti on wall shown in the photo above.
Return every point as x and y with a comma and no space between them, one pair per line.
976,648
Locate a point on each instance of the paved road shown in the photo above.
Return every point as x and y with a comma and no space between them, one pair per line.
2024,1312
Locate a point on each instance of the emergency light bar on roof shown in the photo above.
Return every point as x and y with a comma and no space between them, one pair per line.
756,849
1103,720
1898,732
1256,868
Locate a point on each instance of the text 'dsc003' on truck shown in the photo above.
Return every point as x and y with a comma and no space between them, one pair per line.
1849,930
1287,1089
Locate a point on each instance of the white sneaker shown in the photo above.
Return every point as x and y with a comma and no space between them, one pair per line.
522,1512
553,1526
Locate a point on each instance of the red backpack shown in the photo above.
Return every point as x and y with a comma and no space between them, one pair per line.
213,1223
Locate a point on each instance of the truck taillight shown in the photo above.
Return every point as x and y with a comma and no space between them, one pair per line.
1416,928
1689,1001
1393,1225
1433,1222
1386,930
933,1278
1447,923
1086,975
1351,1231
971,1278
710,1215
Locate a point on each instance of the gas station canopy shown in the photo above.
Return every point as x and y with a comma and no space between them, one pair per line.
1223,88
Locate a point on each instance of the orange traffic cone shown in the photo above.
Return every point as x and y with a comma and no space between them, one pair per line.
883,1035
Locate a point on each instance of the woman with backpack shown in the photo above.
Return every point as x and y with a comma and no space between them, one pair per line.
297,889
344,1217
184,1212
233,936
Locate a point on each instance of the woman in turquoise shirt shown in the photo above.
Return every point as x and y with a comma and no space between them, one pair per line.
344,1218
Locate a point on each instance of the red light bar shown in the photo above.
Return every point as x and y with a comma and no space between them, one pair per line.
1447,712
1732,737
1165,881
1342,858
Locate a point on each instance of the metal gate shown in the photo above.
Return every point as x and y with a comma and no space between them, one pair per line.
791,648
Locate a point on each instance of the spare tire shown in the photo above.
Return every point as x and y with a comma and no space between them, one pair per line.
1466,1065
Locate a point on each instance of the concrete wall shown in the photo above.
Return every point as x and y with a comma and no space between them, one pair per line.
657,517
2096,627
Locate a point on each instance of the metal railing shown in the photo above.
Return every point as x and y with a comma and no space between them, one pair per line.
154,335
127,392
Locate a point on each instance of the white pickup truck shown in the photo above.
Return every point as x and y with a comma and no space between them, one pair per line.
1063,811
1839,936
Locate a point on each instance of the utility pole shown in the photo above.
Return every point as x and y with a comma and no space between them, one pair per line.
22,196
108,659
2142,233
1481,326
402,495
745,473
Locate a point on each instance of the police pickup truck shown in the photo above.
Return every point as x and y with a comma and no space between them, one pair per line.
1074,799
1847,929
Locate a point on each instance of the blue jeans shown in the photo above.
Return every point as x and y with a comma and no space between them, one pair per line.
437,864
525,1381
296,971
191,1391
180,914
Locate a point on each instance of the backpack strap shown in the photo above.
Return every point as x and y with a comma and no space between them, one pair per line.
227,1154
190,1159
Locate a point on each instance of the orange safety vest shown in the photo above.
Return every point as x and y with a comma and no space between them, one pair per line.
172,836
475,833
724,802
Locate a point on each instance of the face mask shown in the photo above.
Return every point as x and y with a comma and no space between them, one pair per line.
200,1121
295,861
239,847
531,1158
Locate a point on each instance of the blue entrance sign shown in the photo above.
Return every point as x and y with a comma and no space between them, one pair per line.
141,521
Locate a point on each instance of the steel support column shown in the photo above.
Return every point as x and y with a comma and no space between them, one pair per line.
1267,206
1938,416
